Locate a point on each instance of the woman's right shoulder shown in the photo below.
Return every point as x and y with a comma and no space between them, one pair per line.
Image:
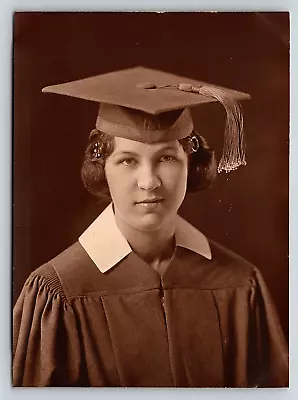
70,258
69,274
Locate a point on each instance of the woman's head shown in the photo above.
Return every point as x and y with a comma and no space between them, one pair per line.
144,103
146,181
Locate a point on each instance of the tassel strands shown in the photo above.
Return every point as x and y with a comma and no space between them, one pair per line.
233,155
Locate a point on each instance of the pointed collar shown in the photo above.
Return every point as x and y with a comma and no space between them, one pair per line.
106,246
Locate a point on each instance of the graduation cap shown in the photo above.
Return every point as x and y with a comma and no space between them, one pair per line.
153,106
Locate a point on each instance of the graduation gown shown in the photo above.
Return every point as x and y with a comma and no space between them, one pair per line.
204,323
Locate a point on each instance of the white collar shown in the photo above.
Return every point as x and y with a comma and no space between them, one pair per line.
106,246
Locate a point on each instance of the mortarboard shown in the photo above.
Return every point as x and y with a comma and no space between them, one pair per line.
153,106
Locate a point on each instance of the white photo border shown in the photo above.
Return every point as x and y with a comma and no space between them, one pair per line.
6,19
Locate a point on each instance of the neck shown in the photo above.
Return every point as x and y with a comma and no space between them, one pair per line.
151,246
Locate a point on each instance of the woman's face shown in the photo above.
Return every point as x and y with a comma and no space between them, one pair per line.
147,182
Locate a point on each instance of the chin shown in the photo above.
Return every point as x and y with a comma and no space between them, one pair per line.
149,222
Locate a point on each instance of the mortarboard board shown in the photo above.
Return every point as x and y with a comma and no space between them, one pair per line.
153,106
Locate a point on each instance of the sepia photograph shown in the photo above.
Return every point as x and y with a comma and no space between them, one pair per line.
150,199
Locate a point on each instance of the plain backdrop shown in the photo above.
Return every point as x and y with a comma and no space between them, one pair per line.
246,210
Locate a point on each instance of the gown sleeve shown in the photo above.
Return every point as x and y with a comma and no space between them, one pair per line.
45,340
254,346
268,350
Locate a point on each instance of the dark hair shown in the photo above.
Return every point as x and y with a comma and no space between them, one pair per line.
201,164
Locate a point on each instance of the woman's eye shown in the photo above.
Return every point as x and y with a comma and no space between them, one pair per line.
167,159
128,161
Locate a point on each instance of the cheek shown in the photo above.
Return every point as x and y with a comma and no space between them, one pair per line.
181,182
111,179
175,175
118,183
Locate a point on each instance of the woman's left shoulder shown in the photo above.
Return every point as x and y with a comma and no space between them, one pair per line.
231,264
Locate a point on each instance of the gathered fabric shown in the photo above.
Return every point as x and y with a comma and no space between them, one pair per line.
203,323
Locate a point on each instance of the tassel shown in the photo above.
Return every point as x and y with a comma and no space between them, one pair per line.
234,142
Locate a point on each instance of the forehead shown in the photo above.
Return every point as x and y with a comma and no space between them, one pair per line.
132,146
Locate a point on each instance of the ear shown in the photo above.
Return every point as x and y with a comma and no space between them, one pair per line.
202,141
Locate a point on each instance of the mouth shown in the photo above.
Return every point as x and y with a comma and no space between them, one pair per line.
151,201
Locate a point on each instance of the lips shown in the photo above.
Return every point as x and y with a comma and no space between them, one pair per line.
151,200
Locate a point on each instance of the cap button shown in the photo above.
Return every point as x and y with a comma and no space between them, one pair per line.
146,85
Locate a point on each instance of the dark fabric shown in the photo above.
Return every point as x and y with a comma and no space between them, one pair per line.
202,324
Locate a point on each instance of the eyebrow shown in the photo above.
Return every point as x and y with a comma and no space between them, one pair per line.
124,153
168,147
132,153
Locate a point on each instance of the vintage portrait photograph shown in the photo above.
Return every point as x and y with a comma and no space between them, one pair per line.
150,199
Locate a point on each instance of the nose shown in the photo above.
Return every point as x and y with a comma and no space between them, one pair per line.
148,178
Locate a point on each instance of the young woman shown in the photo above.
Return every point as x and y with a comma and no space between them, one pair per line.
143,298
